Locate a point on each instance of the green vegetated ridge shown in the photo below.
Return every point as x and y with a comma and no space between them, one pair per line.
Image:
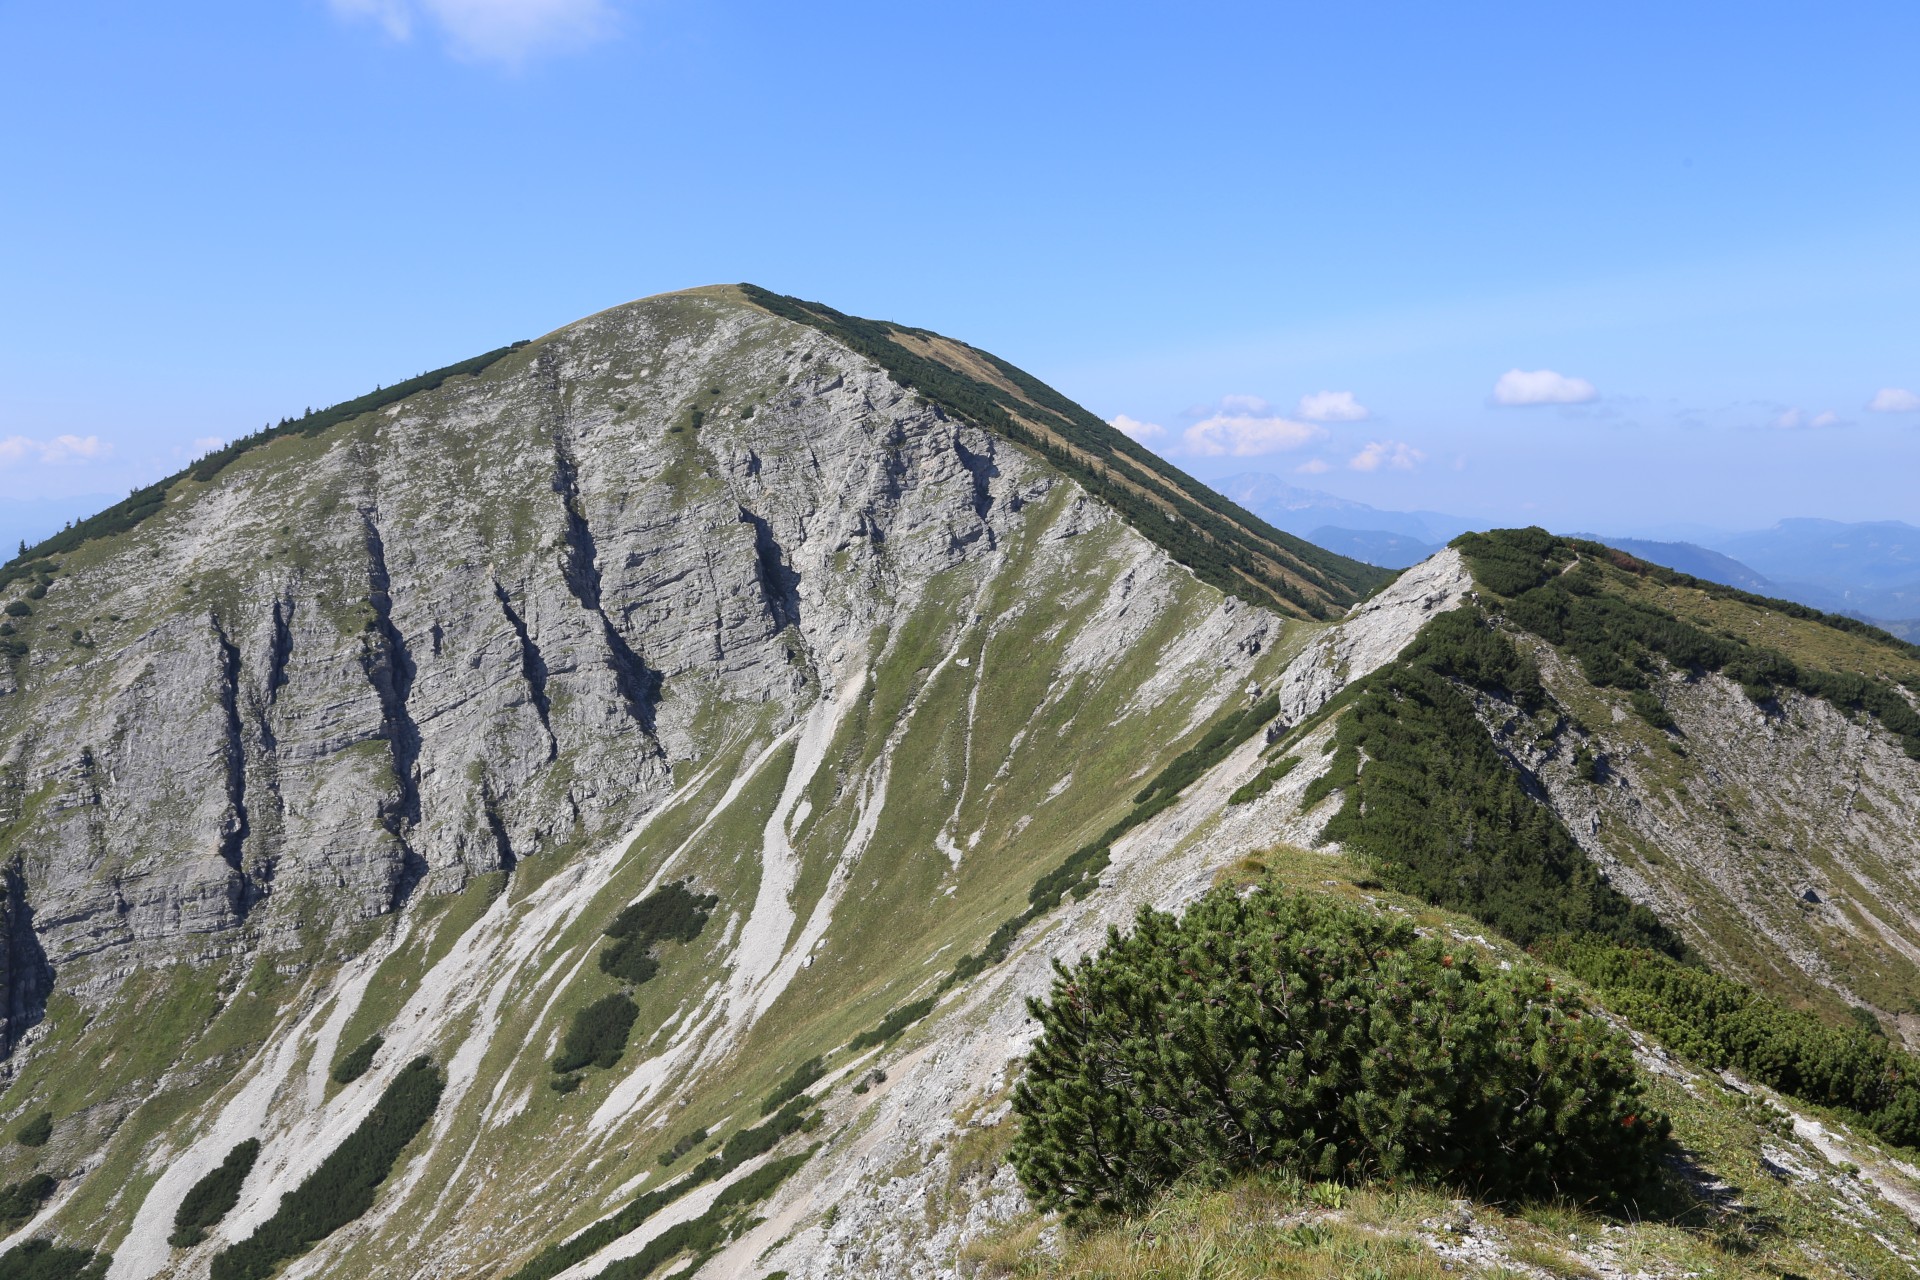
1559,590
1442,814
1228,547
143,502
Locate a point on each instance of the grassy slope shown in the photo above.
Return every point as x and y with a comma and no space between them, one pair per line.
1753,834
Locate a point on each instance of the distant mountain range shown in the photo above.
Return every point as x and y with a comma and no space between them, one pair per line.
1868,570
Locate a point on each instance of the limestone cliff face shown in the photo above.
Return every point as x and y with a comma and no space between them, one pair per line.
484,623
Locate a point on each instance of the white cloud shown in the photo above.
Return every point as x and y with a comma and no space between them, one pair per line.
1314,467
1542,386
58,449
506,31
1894,400
1393,454
1795,419
1246,427
1134,429
1332,406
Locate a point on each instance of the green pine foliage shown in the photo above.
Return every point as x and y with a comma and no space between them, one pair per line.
671,913
1718,1023
45,1260
598,1034
37,1131
793,1086
214,1196
355,1064
683,1144
893,1024
703,1236
740,1148
19,1201
1441,814
1263,782
345,1184
1285,1032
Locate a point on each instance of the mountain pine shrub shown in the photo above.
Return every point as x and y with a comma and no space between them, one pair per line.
21,1200
793,1086
1280,1031
344,1185
37,1131
1718,1022
45,1260
355,1064
598,1034
214,1196
1440,813
671,913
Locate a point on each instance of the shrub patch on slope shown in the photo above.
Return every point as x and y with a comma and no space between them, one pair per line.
1441,814
344,1185
214,1196
1285,1032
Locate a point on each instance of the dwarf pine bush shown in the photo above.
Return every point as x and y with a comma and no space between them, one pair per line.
1280,1031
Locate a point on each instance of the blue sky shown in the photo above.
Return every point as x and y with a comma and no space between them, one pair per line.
1310,240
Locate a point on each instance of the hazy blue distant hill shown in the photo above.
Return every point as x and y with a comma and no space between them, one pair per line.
1300,511
1870,567
1373,546
1690,558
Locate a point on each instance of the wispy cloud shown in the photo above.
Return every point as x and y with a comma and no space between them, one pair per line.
1541,386
59,449
1797,419
1395,455
1314,467
1247,427
1894,400
501,31
1135,429
1332,406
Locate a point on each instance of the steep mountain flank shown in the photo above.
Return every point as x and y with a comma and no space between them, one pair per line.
371,729
600,811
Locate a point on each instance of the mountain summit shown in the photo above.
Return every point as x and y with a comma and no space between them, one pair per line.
600,809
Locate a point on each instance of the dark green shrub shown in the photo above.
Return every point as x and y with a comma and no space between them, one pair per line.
1867,1020
793,1086
45,1260
36,1131
685,1143
1718,1022
344,1185
1441,814
1262,782
566,1084
671,913
598,1034
893,1024
355,1064
19,609
1279,1031
740,1148
19,1201
703,1236
214,1196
